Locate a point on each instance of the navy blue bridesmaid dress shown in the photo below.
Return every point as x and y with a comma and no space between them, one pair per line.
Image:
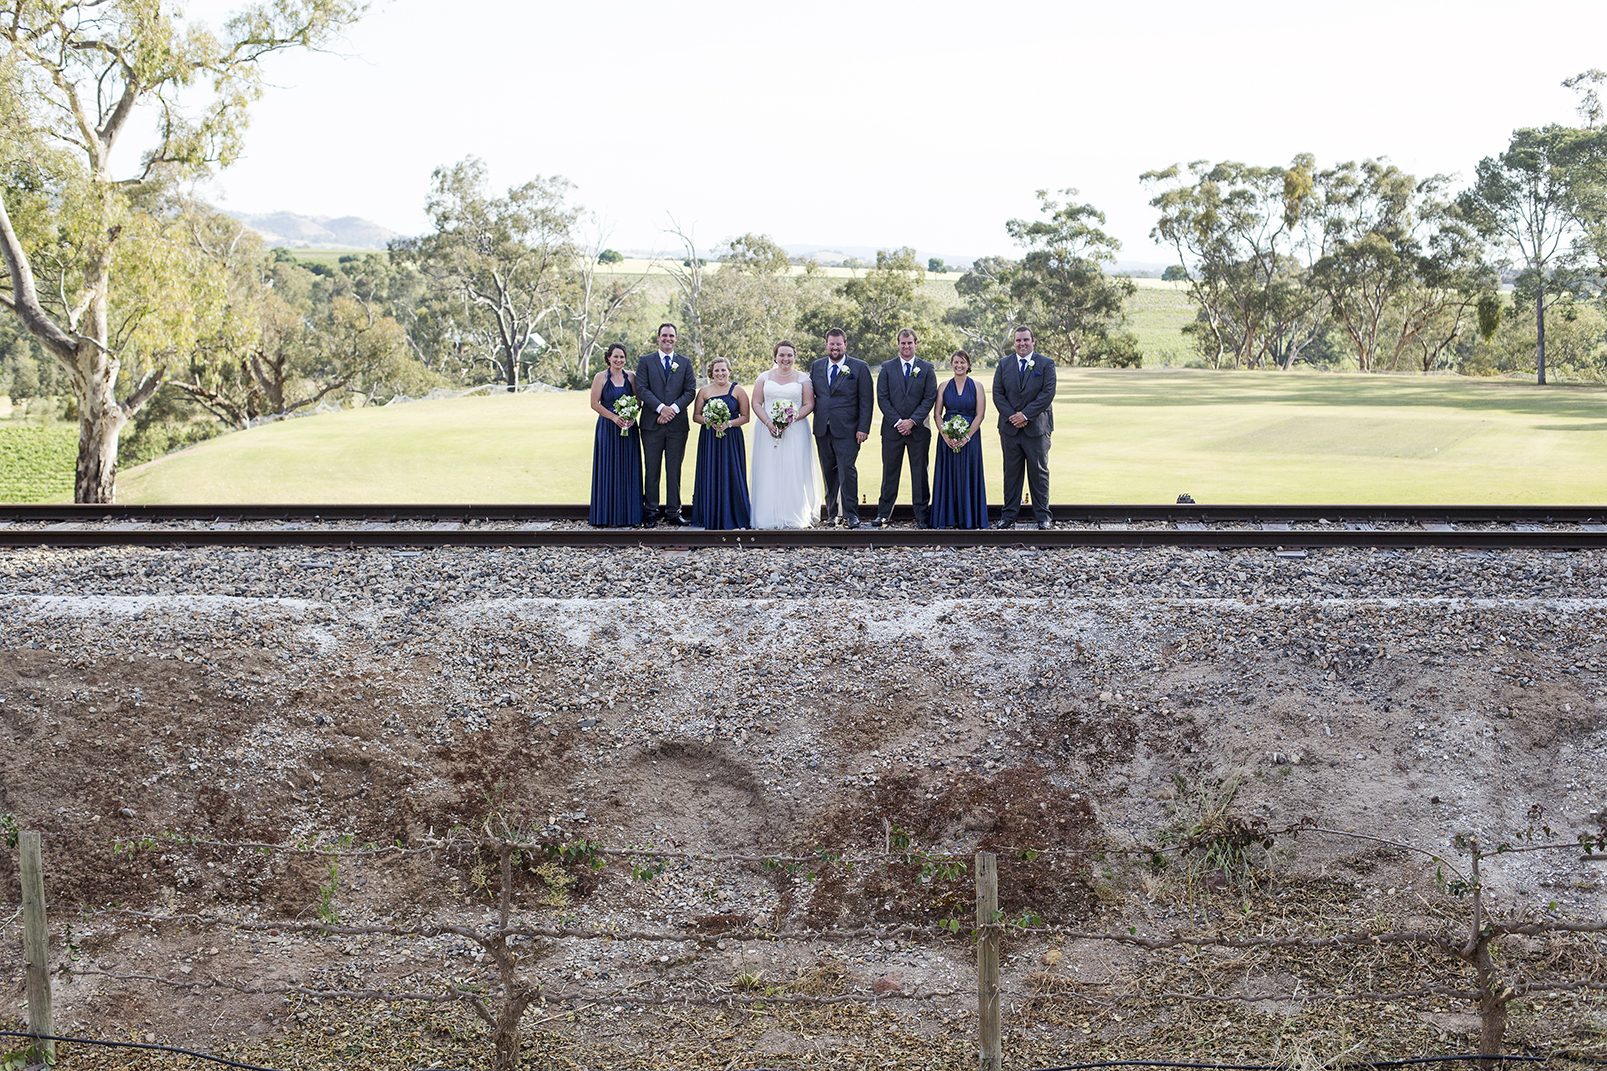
616,467
720,494
959,492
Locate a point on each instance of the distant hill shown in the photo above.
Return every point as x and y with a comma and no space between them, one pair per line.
316,232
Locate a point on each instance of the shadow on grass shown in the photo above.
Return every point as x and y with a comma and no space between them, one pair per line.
1193,388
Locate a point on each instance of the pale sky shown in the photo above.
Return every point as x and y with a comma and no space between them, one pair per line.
884,124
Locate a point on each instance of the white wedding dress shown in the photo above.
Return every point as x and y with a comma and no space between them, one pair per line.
783,488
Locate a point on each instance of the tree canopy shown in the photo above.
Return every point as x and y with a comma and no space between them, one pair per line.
72,73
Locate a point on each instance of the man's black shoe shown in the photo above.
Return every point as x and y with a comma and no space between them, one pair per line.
877,522
675,520
851,522
1006,524
1046,526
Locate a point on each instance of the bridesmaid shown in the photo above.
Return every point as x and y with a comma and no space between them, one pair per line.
959,492
616,458
720,493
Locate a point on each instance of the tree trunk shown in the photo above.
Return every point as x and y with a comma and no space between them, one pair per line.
505,1034
1540,328
1493,997
95,480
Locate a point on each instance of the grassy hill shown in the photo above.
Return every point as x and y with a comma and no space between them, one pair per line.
1122,436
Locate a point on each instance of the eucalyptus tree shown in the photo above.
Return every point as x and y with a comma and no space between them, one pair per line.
505,263
596,301
89,269
754,300
988,311
1525,198
1061,287
1248,234
873,307
1400,268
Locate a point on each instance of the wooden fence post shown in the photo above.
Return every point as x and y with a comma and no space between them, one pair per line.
987,961
36,941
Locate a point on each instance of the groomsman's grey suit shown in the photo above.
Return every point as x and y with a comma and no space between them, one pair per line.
906,390
664,445
842,417
1025,383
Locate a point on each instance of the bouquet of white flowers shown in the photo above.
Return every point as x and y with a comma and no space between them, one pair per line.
782,414
628,408
954,429
718,416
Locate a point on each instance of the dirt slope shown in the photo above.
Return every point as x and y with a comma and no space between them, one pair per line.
738,703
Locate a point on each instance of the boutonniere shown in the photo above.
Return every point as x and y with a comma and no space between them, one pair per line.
915,370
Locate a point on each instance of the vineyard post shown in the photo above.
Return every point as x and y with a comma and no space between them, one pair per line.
36,941
987,960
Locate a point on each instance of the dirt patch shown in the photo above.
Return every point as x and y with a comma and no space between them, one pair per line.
196,760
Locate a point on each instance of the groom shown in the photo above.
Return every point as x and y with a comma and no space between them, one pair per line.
665,381
842,422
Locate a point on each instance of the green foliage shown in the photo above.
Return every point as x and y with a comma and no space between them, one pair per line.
872,308
36,463
116,271
610,256
1490,308
1176,273
753,302
28,1058
497,266
1400,268
988,311
1215,843
1249,233
1529,198
936,266
8,829
1576,343
1062,291
326,894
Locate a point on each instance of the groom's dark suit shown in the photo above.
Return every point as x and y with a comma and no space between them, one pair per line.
663,445
902,397
842,414
1026,449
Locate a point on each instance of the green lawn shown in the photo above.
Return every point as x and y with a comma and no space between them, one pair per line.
1123,436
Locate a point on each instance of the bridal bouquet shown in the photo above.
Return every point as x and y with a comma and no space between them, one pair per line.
629,408
718,415
782,414
954,429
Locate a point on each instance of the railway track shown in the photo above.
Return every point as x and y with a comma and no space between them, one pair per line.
564,525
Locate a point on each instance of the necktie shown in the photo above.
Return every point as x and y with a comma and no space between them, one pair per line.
906,371
1023,368
831,380
666,363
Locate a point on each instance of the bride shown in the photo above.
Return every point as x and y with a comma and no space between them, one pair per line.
784,491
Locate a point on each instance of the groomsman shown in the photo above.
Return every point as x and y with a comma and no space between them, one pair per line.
906,390
842,423
666,382
1024,393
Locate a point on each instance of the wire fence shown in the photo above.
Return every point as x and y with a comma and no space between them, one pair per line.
505,941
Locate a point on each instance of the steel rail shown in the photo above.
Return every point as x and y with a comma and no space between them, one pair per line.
1086,512
396,525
